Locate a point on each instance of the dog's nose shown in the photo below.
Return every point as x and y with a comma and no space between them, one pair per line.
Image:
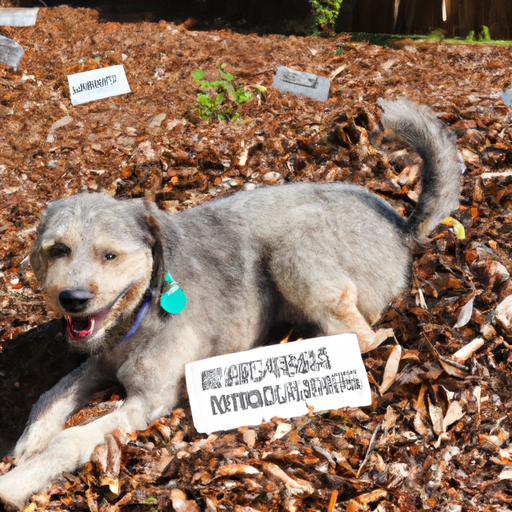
74,301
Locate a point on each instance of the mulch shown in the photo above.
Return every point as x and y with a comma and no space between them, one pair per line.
437,435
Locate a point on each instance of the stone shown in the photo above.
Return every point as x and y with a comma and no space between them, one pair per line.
303,84
506,97
10,52
272,176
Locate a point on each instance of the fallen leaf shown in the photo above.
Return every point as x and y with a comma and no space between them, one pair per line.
391,370
465,313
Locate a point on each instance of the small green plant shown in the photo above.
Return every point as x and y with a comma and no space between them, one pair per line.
325,13
435,36
485,35
470,38
221,97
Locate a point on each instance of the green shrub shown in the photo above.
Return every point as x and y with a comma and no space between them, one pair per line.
326,12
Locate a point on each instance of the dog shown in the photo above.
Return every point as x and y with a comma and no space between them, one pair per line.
332,254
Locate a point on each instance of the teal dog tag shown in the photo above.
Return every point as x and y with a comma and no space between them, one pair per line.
173,298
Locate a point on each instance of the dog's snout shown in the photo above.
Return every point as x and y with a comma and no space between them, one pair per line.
74,301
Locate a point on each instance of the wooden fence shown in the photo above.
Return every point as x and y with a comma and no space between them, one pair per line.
455,17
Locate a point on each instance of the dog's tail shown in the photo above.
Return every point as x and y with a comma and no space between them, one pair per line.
442,163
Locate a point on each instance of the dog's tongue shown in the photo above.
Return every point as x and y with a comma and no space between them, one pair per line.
80,327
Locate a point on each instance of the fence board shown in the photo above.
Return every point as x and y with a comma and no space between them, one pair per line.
422,16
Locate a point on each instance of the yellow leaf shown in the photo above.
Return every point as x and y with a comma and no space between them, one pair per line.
458,228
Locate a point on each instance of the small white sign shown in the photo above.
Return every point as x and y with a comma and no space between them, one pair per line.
18,17
98,84
245,388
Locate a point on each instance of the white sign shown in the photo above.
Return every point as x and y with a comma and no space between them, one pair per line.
18,17
245,388
98,84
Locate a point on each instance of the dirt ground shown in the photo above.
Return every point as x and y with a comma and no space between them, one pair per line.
437,436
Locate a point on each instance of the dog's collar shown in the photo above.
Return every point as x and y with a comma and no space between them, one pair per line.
172,301
140,315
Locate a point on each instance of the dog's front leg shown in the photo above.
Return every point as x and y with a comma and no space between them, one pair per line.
70,449
54,407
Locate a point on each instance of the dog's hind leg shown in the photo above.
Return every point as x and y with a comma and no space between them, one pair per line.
318,288
344,316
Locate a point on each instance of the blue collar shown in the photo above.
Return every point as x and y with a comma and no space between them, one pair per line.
140,315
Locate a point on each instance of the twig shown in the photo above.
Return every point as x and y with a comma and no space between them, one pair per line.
371,446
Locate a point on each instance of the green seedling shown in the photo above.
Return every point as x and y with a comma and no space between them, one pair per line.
221,97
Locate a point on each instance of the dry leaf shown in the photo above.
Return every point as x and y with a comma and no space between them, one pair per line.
436,416
465,313
281,430
391,370
503,315
453,414
506,474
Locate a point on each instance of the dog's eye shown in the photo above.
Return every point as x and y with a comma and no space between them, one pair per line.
59,250
110,256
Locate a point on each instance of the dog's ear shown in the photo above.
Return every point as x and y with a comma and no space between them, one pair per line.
39,264
157,249
36,260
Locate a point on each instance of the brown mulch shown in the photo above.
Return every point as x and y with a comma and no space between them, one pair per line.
437,435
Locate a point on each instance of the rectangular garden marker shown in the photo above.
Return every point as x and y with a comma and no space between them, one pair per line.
97,84
18,17
285,380
10,52
304,84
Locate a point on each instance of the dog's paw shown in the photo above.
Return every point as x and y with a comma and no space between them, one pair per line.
12,495
367,343
34,440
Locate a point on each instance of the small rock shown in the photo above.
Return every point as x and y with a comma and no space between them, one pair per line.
272,176
506,97
229,182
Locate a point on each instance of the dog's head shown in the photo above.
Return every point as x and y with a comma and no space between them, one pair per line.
95,257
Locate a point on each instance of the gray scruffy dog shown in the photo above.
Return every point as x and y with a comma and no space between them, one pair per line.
333,255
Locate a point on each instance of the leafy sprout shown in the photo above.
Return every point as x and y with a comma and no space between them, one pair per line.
221,97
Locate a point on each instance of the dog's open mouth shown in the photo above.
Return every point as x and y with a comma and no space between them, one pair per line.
82,327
